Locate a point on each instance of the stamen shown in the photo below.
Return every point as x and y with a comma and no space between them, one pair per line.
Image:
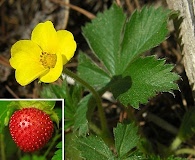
48,60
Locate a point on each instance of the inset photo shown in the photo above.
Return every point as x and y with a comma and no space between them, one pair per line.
31,129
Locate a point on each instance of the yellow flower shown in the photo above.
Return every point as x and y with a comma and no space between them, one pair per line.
43,56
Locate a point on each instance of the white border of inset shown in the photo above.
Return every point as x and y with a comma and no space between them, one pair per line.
41,99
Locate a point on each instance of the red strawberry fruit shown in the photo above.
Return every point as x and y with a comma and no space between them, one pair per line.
30,129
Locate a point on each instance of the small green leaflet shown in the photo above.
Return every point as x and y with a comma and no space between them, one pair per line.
72,95
3,114
126,139
92,147
53,91
147,76
104,35
81,122
58,153
72,98
71,152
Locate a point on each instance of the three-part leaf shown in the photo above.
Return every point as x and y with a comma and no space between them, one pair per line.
118,43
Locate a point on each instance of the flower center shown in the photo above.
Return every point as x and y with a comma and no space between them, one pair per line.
48,60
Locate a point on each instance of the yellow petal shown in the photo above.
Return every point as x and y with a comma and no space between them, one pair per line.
66,45
44,34
24,50
26,75
25,58
54,73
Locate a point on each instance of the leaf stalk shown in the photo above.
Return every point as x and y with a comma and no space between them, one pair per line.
105,132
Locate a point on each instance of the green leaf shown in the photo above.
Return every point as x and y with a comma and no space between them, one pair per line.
146,77
120,85
72,98
59,145
58,111
84,110
58,153
144,30
3,114
92,147
126,138
71,152
116,42
91,73
81,122
104,35
71,94
53,91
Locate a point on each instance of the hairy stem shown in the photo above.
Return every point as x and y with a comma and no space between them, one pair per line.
97,97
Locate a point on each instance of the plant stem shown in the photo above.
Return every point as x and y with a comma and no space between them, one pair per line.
175,144
2,147
105,131
185,151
